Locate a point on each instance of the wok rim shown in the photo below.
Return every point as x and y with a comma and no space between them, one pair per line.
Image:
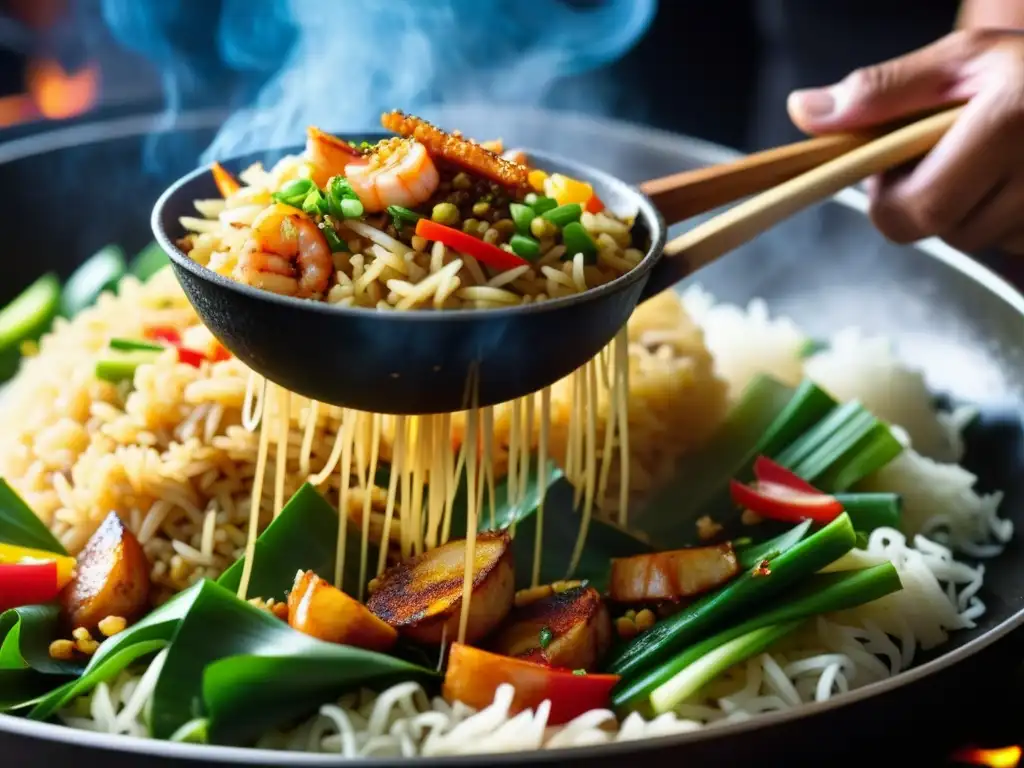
646,211
850,198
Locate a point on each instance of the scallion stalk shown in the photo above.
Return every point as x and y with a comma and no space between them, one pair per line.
525,246
351,209
869,511
131,345
564,215
294,193
521,215
120,366
333,239
711,612
315,203
401,216
671,683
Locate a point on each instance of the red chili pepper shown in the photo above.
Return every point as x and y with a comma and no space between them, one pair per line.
491,255
473,676
767,471
164,334
190,357
594,204
27,584
780,502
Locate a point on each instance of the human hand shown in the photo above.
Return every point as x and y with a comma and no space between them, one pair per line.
969,190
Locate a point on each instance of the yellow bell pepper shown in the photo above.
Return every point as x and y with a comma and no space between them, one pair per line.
13,555
566,190
537,179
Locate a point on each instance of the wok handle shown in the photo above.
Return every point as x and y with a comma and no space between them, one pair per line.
715,237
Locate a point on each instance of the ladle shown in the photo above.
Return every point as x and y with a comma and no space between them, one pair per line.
421,361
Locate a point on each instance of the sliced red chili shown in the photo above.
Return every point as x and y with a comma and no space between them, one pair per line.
491,255
768,471
594,204
780,502
164,334
190,357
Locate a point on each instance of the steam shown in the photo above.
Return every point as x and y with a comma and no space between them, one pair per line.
339,63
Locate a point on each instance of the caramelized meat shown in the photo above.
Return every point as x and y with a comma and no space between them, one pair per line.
323,611
422,597
671,575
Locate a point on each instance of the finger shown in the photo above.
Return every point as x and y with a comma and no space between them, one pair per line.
994,220
884,92
963,169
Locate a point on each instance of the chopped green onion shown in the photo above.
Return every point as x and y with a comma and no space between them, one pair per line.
333,239
30,313
531,198
522,215
351,209
315,203
400,216
564,214
525,247
120,366
131,345
546,636
577,240
148,261
294,193
706,615
99,273
669,684
869,511
338,191
580,672
541,204
810,404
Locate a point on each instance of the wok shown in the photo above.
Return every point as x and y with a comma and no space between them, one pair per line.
826,268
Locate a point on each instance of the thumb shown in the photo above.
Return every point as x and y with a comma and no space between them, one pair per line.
885,92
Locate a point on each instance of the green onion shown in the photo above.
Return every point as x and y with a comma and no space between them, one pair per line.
809,405
525,247
564,214
131,345
338,191
708,614
315,203
333,239
30,313
121,366
99,273
522,215
706,668
541,204
546,636
400,216
869,511
671,683
577,240
580,672
148,261
294,193
751,555
868,455
351,209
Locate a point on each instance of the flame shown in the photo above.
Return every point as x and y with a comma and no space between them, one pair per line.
1005,757
59,95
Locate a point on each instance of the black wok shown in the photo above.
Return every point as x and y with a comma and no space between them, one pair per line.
826,268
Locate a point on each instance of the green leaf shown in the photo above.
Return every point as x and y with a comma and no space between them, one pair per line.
100,272
561,528
302,538
26,633
148,261
20,526
247,695
220,626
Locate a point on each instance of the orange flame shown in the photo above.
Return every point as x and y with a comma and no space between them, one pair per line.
1005,757
59,95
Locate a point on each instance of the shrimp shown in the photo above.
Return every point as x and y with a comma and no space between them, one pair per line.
400,172
287,254
328,155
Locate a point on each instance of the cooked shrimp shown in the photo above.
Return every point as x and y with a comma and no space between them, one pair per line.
458,149
328,155
400,172
287,254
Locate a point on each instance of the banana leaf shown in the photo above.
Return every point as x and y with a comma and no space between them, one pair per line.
303,537
20,526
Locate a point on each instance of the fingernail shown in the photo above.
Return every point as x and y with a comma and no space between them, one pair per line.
815,103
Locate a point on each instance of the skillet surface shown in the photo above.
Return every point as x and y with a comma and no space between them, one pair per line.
825,268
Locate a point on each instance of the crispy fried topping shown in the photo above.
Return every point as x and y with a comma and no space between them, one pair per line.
457,149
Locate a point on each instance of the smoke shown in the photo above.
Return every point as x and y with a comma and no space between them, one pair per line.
338,64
